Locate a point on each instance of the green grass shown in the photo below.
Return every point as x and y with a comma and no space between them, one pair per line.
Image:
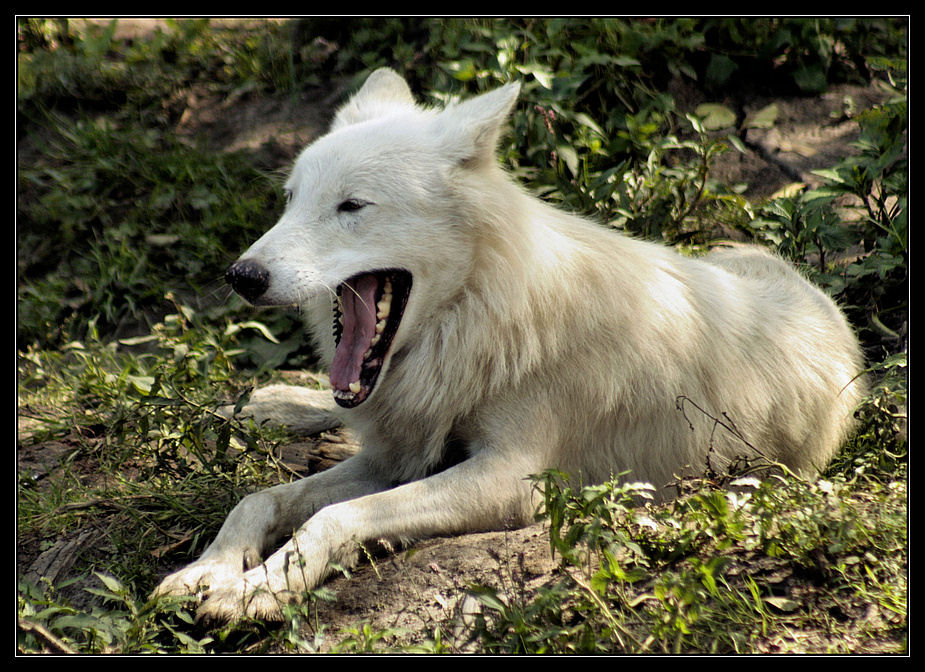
714,572
128,341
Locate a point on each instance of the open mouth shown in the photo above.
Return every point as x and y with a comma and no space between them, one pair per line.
367,313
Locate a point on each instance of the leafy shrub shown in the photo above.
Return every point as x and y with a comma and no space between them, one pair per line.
872,185
686,577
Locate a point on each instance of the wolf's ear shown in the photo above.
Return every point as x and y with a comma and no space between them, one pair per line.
469,131
383,91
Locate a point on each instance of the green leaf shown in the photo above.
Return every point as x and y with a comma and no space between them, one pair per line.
763,118
782,603
836,175
488,597
142,384
715,116
587,121
138,340
811,79
823,194
232,329
542,74
736,142
720,69
111,582
570,157
462,70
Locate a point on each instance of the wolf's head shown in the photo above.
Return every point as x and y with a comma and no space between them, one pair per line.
373,220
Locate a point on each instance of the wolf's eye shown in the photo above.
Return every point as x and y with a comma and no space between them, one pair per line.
351,205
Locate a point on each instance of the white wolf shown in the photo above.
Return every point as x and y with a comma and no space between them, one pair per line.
481,336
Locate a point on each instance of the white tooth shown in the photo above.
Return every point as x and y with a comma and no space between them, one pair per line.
380,326
387,287
367,354
355,387
374,339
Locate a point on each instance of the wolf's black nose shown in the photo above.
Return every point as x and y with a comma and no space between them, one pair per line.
249,278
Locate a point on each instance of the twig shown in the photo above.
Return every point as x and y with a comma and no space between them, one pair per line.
730,427
43,633
100,501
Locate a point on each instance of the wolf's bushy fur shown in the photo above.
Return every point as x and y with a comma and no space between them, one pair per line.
532,339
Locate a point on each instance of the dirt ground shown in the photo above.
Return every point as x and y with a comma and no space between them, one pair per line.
414,590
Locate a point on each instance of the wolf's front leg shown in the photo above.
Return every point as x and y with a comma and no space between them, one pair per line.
259,521
483,493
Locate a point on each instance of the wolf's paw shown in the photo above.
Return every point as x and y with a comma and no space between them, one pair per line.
244,599
303,410
200,578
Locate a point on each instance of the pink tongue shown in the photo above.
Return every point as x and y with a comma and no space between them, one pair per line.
358,297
